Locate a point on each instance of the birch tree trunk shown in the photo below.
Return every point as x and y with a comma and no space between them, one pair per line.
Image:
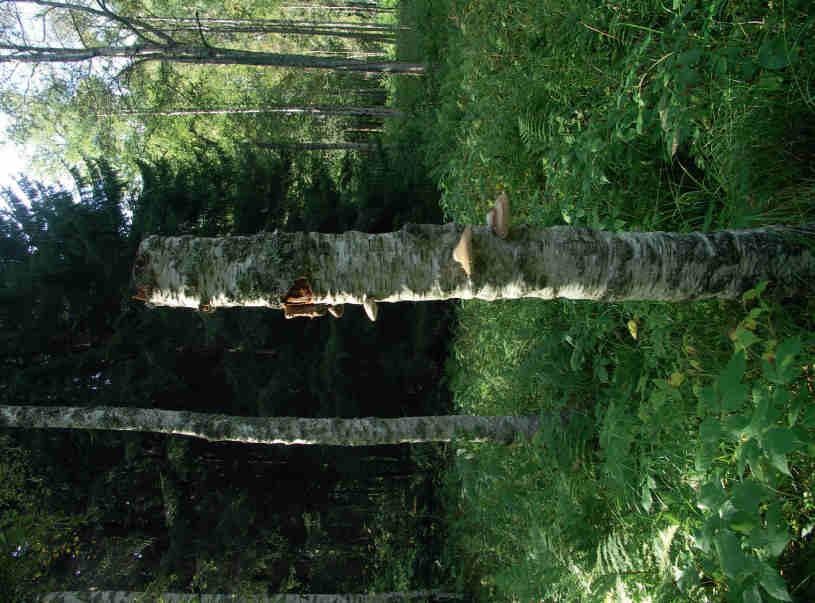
312,110
366,147
368,431
130,597
201,55
416,264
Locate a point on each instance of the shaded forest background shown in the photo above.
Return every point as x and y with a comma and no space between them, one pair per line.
139,512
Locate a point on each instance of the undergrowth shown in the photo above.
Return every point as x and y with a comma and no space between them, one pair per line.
685,469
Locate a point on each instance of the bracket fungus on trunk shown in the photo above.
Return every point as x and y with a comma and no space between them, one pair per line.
463,251
498,216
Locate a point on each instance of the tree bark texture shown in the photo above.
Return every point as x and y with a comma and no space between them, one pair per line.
130,597
368,431
416,264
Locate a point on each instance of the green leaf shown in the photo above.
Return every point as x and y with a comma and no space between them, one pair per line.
749,453
732,559
737,426
772,582
743,338
774,54
755,291
783,369
711,496
808,420
785,357
773,538
742,522
731,389
778,442
690,57
761,418
777,535
751,595
748,495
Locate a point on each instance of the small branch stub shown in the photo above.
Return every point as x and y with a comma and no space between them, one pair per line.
336,311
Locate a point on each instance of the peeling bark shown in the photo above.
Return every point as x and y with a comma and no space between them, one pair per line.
416,264
368,431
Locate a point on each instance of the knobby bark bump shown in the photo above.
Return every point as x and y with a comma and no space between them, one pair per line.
417,264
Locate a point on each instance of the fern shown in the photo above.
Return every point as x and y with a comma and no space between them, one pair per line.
532,129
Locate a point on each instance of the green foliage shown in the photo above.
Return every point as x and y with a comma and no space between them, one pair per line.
35,540
684,470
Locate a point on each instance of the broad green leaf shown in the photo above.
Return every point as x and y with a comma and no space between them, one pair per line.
761,414
773,538
732,559
742,522
708,400
710,433
751,595
743,339
711,496
785,357
778,442
783,369
737,426
748,495
748,453
808,420
755,291
772,582
732,391
777,535
703,537
774,54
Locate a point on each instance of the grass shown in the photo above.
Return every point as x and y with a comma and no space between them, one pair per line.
686,471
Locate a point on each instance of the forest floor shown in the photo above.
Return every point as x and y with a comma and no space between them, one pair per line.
688,471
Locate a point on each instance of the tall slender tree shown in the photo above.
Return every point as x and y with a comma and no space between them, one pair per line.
310,110
127,596
155,44
368,431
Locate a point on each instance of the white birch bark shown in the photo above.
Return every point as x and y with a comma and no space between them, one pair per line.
135,597
369,431
416,264
312,110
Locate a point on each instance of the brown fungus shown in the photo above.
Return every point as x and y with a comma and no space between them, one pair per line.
463,251
498,216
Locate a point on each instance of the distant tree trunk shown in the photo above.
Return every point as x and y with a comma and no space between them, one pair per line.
312,110
416,264
207,22
362,32
348,7
369,431
203,55
129,597
320,146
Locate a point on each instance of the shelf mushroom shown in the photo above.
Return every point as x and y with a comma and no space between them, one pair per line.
370,308
463,251
498,216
